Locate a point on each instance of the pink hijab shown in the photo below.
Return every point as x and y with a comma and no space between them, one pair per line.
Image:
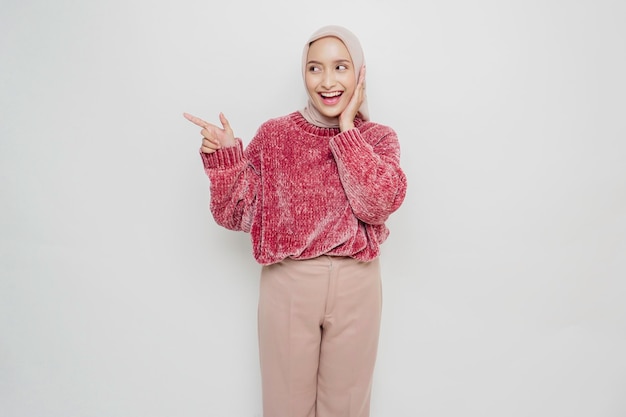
310,113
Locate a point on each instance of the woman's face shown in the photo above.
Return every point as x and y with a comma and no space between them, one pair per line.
329,76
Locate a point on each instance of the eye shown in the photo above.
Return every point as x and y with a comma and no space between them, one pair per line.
342,67
314,68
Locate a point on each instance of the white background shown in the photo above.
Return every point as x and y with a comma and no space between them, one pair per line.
504,273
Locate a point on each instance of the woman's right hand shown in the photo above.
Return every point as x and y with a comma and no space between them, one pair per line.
213,137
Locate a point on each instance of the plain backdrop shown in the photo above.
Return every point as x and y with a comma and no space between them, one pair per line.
504,274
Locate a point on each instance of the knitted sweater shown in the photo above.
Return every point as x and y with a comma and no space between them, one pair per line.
302,191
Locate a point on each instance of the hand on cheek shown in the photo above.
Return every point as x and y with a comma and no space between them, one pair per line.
346,119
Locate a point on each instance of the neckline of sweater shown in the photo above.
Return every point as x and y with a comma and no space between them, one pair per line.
308,127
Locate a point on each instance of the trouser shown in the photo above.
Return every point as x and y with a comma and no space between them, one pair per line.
319,321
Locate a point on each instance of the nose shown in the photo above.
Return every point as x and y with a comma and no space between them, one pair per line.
329,80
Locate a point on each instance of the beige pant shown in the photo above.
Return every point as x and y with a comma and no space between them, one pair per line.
319,321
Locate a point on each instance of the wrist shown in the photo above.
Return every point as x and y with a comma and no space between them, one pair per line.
346,126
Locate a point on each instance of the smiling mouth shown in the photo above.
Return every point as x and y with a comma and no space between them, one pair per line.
331,94
331,98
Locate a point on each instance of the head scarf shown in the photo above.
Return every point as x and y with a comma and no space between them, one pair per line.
310,113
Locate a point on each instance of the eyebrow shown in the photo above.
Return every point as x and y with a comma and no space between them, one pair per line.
339,61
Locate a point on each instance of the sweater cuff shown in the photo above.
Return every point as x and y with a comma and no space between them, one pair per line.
349,141
224,157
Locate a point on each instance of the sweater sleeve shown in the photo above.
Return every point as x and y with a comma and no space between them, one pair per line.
233,186
369,168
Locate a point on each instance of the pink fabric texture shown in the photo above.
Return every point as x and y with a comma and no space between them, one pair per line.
303,191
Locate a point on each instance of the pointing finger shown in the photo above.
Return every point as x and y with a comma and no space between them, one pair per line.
196,120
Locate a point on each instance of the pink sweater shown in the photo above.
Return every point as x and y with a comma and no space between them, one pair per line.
302,191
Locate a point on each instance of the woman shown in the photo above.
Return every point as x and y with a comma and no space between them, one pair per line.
314,189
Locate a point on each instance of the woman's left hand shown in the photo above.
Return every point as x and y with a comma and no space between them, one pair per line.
346,118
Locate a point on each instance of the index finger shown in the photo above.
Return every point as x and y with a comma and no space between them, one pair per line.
196,120
361,75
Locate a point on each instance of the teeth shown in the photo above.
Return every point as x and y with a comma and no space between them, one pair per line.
333,94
